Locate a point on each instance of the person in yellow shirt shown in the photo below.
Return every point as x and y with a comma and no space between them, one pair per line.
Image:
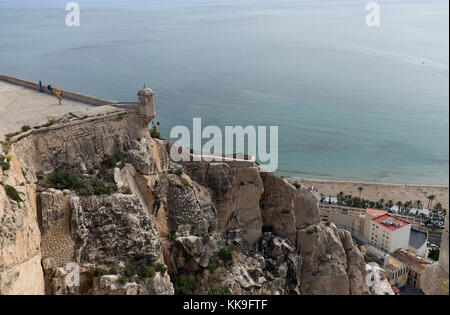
59,96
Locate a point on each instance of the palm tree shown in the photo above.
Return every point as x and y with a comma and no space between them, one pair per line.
430,200
399,205
419,204
360,189
408,206
390,204
340,197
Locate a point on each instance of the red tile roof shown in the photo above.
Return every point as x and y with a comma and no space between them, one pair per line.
396,223
376,212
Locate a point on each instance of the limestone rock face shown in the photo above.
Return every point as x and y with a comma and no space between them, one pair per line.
191,253
110,285
273,268
236,192
331,262
434,276
285,208
109,229
355,265
158,285
188,203
20,252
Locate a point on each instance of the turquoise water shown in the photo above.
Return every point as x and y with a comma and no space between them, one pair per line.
351,102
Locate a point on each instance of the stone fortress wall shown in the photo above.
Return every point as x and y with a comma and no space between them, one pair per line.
40,226
48,214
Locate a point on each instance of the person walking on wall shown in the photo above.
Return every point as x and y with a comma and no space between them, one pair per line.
59,96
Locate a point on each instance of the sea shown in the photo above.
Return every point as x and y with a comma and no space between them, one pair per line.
351,101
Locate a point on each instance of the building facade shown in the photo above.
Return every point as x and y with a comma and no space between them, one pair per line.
385,231
416,266
396,272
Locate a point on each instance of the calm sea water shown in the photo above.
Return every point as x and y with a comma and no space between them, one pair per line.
351,102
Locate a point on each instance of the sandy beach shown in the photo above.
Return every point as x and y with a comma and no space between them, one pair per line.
376,191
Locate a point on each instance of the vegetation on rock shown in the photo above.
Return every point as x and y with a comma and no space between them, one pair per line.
12,193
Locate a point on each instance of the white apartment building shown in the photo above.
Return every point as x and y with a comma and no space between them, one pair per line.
386,232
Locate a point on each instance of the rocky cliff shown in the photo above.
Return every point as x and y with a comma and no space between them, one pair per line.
101,193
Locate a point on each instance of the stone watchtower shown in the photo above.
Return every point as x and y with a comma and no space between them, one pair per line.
146,108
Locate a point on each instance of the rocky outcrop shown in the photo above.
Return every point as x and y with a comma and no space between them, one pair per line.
236,192
285,208
331,262
20,251
189,204
110,229
191,253
110,285
356,266
435,278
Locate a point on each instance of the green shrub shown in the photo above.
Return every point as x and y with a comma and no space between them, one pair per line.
129,271
90,186
211,228
95,186
140,265
26,128
154,133
147,272
98,272
123,279
109,161
186,284
296,184
5,165
225,255
12,193
179,172
138,257
113,270
434,254
368,259
65,180
160,268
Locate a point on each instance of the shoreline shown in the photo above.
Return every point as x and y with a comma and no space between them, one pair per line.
362,182
375,191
